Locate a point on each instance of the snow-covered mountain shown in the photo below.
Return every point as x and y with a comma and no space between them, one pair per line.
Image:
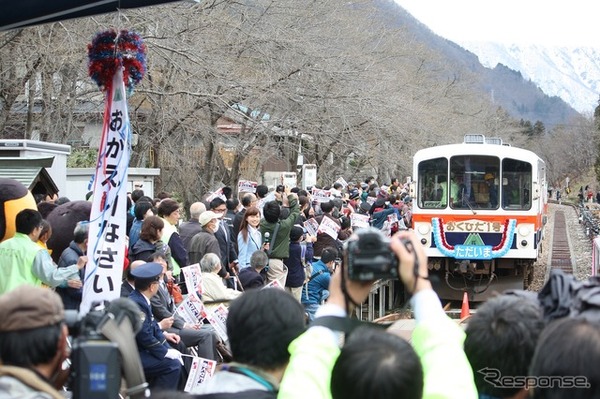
573,74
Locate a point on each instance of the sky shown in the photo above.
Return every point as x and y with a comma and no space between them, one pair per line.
549,22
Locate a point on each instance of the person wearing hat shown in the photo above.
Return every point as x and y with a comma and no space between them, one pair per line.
198,335
33,343
162,364
205,241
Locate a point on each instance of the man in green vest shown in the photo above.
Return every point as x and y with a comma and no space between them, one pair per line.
22,261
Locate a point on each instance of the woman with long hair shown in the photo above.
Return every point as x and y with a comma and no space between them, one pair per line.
249,238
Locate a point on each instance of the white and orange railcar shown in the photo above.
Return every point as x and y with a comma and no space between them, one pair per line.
479,209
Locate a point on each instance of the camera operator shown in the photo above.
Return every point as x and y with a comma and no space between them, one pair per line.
437,341
33,343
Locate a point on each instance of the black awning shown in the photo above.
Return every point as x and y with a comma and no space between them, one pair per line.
22,13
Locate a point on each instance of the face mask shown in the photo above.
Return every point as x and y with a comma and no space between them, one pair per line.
217,225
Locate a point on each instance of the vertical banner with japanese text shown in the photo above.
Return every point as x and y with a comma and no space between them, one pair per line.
106,242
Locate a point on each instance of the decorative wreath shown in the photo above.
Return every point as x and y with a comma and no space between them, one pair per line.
439,237
110,50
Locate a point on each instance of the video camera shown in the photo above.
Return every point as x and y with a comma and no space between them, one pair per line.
368,256
97,360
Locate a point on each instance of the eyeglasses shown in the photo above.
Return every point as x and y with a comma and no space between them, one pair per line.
220,210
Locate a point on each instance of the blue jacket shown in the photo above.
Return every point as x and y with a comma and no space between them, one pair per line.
318,284
250,278
142,251
295,265
71,296
134,232
246,249
150,339
380,217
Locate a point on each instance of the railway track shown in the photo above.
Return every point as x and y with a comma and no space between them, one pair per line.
560,253
563,241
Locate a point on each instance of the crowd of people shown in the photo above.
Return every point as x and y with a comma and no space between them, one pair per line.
273,257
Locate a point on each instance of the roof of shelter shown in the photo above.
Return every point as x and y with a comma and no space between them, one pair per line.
31,172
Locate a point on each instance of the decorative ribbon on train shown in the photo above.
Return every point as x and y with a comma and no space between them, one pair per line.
473,251
116,60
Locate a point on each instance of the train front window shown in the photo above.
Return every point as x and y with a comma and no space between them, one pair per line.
474,182
516,184
432,183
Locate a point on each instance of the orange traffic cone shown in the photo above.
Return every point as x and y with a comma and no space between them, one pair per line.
465,311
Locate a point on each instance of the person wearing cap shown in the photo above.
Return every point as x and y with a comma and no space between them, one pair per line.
22,261
33,343
162,364
205,241
202,336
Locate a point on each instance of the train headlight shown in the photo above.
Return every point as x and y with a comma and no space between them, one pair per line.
524,231
423,229
524,243
424,241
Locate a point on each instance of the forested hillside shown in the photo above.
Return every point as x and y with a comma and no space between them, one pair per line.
344,83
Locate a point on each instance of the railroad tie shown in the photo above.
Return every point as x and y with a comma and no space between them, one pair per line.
561,253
